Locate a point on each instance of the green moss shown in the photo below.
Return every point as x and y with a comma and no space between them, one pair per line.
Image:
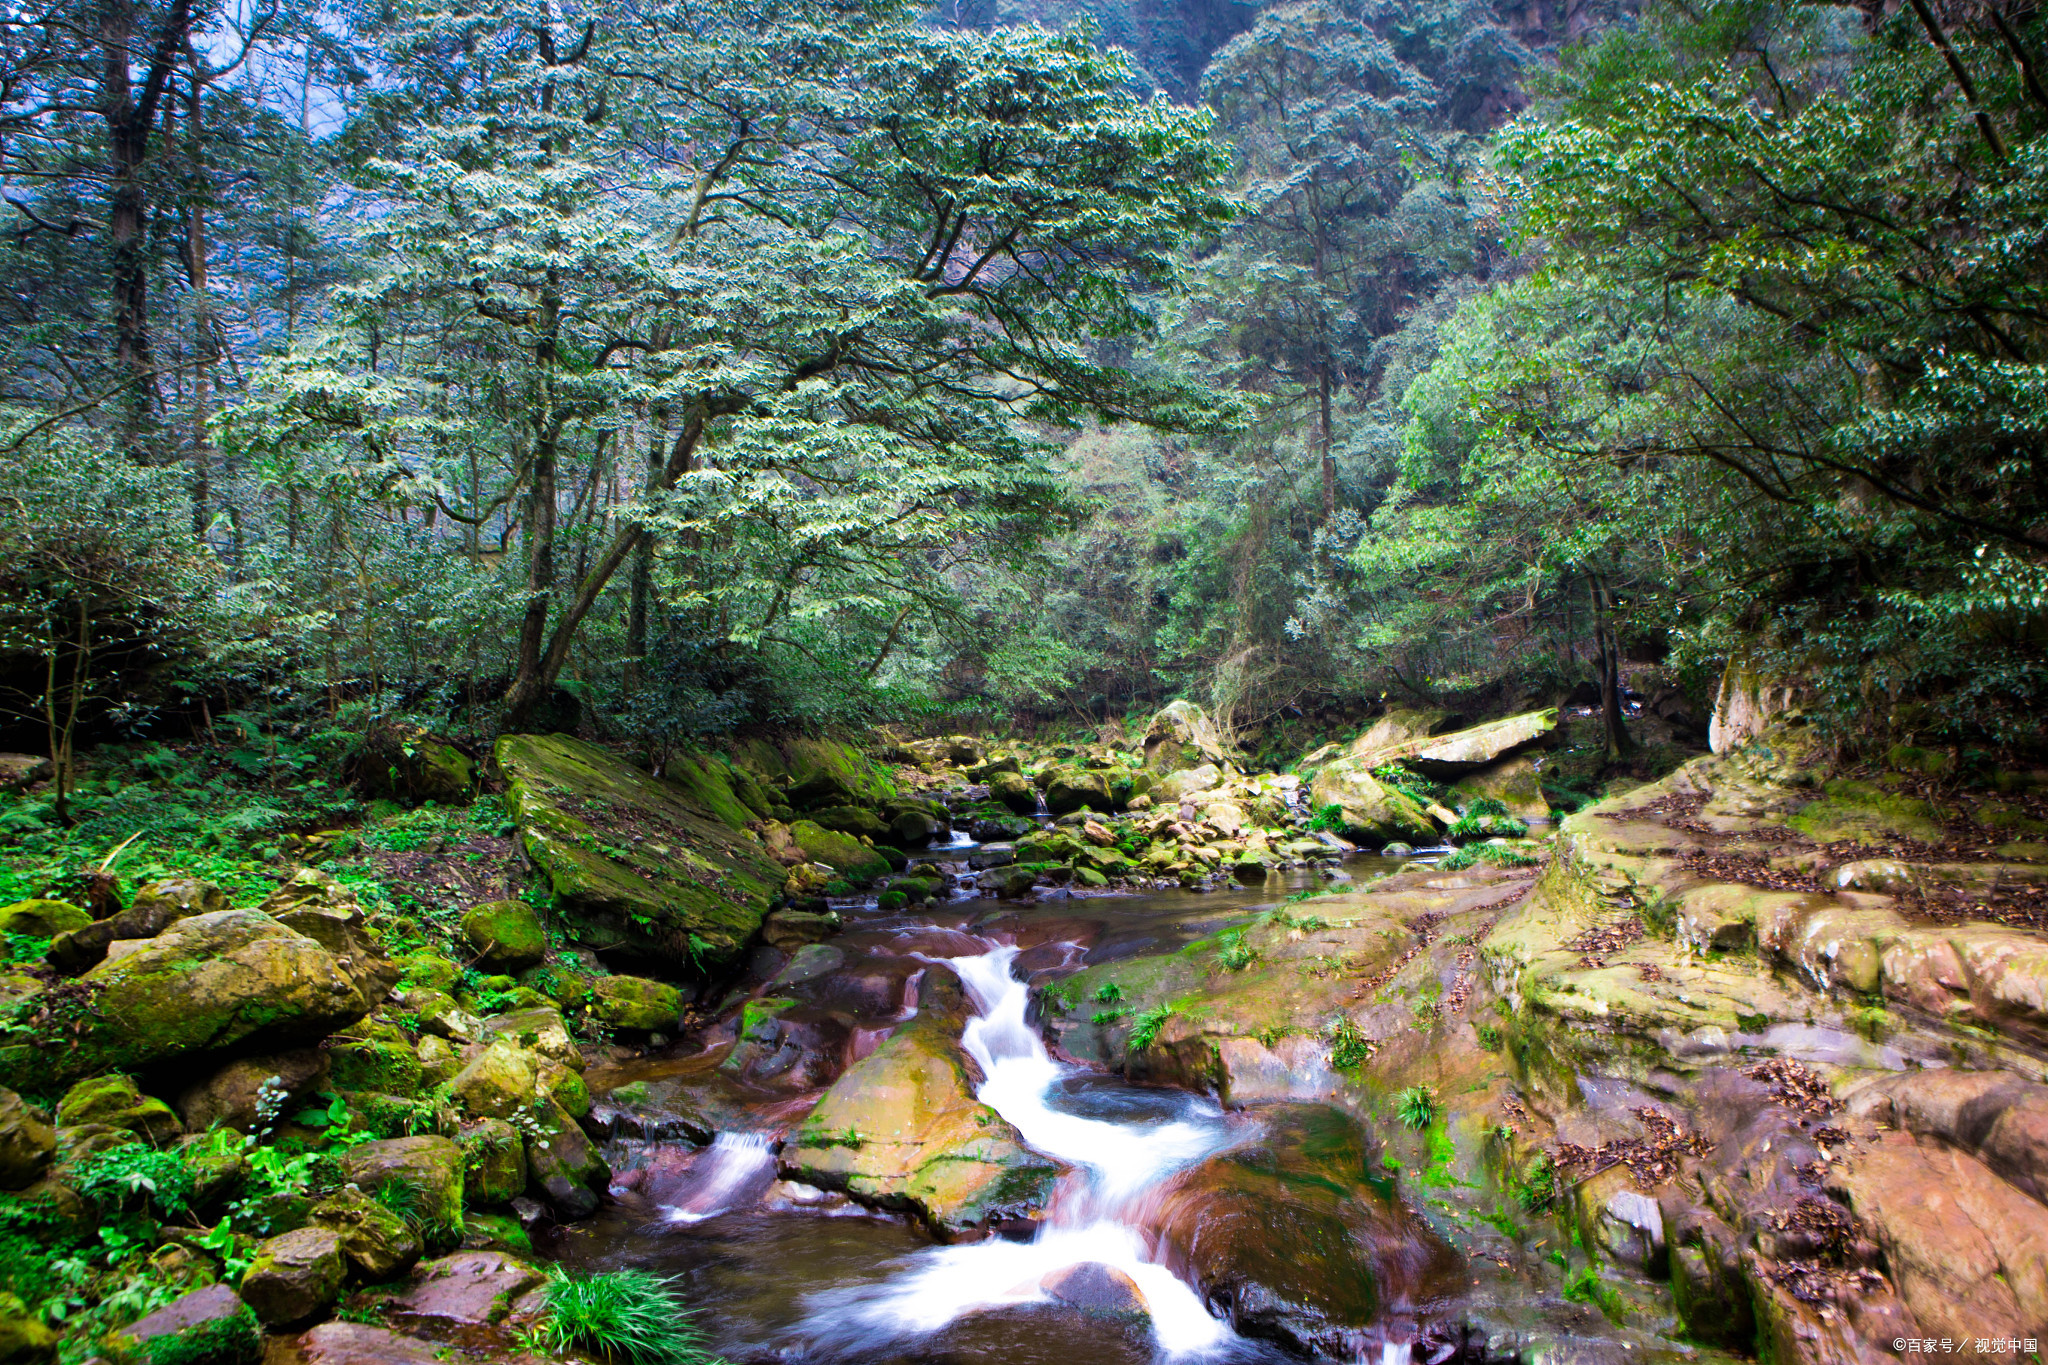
1864,812
236,1339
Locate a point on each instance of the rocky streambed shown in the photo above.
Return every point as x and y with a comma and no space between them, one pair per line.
1637,1102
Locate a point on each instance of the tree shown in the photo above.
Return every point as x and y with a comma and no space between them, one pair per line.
836,258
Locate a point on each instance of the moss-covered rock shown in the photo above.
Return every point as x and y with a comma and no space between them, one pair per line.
499,1081
27,1142
1868,814
295,1278
560,984
426,1176
1371,810
493,1162
116,1102
155,907
635,865
378,1057
902,1129
853,820
1182,735
376,1242
24,1340
1015,791
42,918
413,764
843,853
1513,782
707,783
232,979
830,772
507,935
632,1002
563,1163
1072,789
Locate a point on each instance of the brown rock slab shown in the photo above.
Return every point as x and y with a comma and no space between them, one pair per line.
1096,1287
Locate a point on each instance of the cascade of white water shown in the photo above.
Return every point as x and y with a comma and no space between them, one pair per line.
1118,1161
734,1162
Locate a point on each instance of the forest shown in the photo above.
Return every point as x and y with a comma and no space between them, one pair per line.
557,560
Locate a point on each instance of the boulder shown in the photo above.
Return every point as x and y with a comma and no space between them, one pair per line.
42,918
1182,736
1513,782
1399,727
230,1096
24,1340
827,772
1467,751
1372,812
1072,789
913,829
717,789
428,1169
790,930
228,979
1284,1235
901,1129
852,820
1014,790
636,865
353,1343
540,1028
22,770
465,1292
381,1058
1177,786
296,1277
498,1082
631,1002
563,1164
156,906
493,1162
1009,882
413,764
113,1101
376,1241
211,1326
843,853
1095,1288
507,935
1746,704
27,1143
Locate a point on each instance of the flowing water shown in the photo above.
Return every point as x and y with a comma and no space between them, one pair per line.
787,1274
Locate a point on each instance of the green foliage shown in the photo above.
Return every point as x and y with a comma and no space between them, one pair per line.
1145,1029
1349,1047
1536,1187
1415,1107
631,1317
233,1340
1586,1286
1108,993
134,1174
1329,818
1104,1018
1457,860
1233,954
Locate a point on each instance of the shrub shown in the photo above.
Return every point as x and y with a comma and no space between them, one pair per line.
628,1316
1146,1030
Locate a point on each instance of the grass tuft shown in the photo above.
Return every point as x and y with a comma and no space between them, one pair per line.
1415,1106
630,1317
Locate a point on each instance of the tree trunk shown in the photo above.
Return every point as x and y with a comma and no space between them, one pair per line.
1618,744
529,689
131,115
206,349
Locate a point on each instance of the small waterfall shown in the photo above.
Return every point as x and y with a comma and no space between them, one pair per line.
1117,1164
734,1167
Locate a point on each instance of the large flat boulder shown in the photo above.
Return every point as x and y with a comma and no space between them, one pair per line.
233,980
637,865
830,772
903,1130
1468,751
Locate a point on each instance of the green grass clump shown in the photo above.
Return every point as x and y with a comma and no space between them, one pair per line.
1146,1029
1500,855
232,1340
1415,1107
627,1316
1349,1047
1232,952
1458,860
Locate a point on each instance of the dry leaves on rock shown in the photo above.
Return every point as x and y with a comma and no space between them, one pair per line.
1795,1085
1812,1282
1651,1159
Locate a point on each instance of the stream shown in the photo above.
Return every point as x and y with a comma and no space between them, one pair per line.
784,1273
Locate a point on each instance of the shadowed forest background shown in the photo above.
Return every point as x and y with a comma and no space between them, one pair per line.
671,372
